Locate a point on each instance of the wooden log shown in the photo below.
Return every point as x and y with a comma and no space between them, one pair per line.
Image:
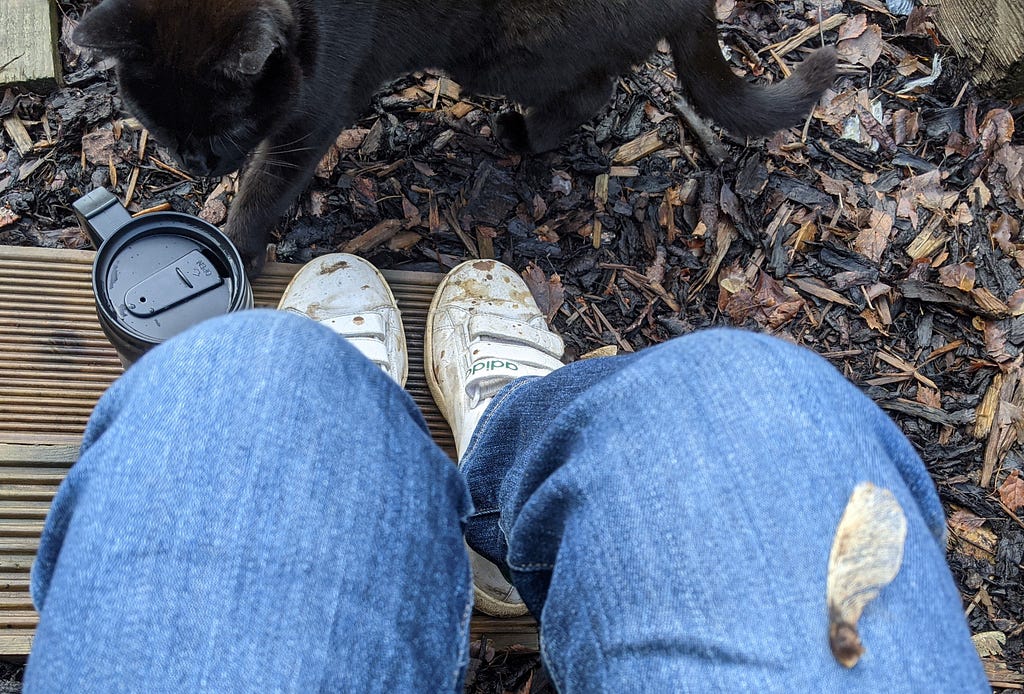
28,44
990,35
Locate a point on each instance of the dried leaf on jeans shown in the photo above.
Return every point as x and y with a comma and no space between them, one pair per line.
866,555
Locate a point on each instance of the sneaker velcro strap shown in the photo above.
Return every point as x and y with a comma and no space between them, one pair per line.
495,364
504,330
372,348
367,324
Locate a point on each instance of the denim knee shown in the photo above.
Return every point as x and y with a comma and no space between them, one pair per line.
257,340
717,388
242,372
711,363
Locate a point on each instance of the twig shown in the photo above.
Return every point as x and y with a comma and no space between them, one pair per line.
9,62
708,140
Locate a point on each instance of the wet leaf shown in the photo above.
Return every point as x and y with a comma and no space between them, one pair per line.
1011,491
960,276
989,643
866,555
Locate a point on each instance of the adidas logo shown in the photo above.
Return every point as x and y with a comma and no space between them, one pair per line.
492,364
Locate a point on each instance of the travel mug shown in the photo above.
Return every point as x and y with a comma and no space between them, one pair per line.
158,274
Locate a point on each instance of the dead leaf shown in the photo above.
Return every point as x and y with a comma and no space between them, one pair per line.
1016,303
904,126
865,49
969,536
961,518
996,129
99,147
874,240
1011,491
1011,159
866,556
352,139
989,643
908,66
960,276
995,341
763,299
724,9
929,396
853,27
327,163
1004,230
547,292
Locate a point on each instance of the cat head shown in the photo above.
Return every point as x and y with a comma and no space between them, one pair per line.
209,79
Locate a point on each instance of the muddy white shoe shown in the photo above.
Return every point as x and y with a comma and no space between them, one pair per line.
484,330
351,297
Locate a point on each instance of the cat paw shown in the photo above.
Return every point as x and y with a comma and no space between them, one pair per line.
254,263
252,252
510,129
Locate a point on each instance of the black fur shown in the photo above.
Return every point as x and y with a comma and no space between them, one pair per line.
215,80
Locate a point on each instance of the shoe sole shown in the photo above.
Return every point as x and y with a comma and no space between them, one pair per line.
485,602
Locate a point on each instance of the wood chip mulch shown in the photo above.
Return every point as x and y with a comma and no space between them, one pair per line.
884,235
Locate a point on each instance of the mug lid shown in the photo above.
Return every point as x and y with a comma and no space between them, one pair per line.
161,279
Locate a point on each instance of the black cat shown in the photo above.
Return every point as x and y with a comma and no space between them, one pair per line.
215,80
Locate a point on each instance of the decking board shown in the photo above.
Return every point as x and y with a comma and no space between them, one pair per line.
55,363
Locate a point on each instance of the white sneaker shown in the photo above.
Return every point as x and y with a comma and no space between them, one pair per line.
351,297
484,330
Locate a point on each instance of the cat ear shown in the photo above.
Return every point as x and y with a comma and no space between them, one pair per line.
107,29
264,31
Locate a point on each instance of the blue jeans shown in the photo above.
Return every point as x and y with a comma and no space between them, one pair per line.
259,508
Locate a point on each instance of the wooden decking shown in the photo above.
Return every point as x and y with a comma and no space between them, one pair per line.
55,363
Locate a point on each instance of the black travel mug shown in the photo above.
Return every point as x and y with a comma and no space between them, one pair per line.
159,274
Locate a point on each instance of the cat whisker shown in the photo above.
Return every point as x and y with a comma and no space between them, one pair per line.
289,151
296,141
284,164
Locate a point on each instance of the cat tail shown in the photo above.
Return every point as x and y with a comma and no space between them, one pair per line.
732,102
